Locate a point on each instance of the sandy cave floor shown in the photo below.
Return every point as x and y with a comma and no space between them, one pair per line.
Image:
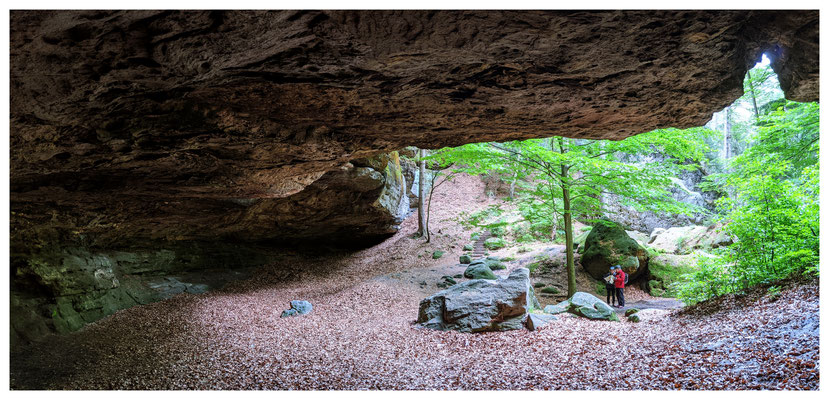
361,335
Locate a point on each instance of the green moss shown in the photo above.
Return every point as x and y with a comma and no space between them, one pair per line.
438,254
631,311
495,243
665,275
550,290
475,235
539,284
601,289
468,247
532,266
497,231
495,265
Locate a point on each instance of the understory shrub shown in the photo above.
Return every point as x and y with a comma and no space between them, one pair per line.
495,243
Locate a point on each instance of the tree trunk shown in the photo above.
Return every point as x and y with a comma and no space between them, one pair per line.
568,237
422,229
429,207
753,96
568,224
554,230
515,179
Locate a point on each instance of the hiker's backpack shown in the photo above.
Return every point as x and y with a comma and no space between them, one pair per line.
626,279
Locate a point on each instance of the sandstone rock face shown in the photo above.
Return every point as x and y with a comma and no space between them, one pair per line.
63,289
686,239
686,190
608,244
142,118
479,305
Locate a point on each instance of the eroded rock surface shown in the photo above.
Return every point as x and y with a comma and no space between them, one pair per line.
479,305
128,116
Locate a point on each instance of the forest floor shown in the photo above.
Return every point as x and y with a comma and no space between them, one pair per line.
361,333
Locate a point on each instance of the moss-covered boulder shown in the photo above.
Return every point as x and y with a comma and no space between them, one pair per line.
438,254
589,306
468,247
608,244
634,317
465,259
631,311
495,263
479,270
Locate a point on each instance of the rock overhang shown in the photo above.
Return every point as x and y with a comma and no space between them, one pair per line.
191,111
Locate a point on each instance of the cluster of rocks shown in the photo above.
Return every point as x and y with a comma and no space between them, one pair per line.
499,304
584,305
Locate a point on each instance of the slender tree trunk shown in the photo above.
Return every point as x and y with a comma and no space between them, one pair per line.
515,179
753,96
422,229
568,224
429,208
727,134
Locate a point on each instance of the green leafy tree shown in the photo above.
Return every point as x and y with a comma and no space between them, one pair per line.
772,210
566,177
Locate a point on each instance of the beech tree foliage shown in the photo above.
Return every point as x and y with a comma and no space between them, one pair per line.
561,179
772,206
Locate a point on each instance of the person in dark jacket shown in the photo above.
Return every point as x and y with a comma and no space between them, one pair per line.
620,286
609,285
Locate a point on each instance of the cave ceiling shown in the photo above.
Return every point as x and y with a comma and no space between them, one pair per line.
161,117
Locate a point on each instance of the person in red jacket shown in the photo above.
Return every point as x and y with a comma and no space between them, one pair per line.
620,286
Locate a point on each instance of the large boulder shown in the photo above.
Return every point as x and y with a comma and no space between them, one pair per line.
608,244
589,306
479,305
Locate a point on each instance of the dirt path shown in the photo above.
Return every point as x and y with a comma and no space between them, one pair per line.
360,335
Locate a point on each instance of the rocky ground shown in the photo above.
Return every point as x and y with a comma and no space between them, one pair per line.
360,334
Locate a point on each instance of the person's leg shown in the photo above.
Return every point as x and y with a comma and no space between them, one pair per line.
609,293
620,296
613,298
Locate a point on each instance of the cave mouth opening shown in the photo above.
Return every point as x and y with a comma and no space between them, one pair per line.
176,169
